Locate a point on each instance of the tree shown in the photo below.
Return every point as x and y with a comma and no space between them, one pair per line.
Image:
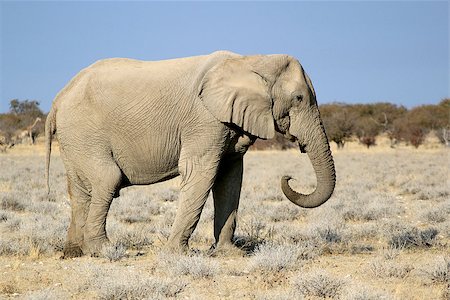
410,128
25,107
366,130
443,115
339,122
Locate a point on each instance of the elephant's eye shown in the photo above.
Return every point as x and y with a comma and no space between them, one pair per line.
299,98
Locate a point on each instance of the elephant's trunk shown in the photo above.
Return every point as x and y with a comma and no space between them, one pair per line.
320,155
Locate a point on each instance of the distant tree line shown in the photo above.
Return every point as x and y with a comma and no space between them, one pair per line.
343,122
367,121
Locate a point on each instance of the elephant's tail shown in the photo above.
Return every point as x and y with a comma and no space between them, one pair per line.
50,129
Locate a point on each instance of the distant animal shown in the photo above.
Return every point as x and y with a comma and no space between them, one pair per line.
27,135
4,143
123,122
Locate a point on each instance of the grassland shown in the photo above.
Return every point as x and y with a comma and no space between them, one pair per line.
385,233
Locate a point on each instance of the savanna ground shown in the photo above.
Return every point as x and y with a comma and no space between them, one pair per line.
385,233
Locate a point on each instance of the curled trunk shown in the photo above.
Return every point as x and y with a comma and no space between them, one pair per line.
322,162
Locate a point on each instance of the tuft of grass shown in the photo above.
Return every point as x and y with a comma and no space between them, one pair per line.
438,271
285,212
366,213
436,216
11,202
252,234
10,221
132,286
195,266
132,237
273,257
358,292
114,252
388,268
390,253
3,216
412,237
318,283
169,195
329,234
361,248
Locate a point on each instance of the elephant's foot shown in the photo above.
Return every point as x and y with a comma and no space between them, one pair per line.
94,247
225,249
71,250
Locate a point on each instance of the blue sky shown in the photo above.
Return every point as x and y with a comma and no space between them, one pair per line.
355,52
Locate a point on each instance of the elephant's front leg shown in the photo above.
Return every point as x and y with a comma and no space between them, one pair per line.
197,180
226,193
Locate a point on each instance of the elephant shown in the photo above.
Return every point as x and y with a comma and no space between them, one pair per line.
122,122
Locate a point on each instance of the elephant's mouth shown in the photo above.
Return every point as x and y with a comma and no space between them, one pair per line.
289,136
302,148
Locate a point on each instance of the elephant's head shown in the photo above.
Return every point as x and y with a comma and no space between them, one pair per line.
264,94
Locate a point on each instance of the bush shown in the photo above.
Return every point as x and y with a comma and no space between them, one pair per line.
388,268
358,292
195,266
10,201
318,284
438,271
134,287
436,215
413,238
273,257
114,252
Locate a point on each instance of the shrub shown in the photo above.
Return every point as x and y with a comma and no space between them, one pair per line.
436,215
358,292
389,268
330,234
273,257
439,270
195,266
114,252
285,212
390,253
133,287
10,201
413,238
318,284
252,234
169,195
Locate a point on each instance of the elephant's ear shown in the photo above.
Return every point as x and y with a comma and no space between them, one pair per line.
234,93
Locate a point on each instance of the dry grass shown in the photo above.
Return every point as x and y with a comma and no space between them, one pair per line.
385,234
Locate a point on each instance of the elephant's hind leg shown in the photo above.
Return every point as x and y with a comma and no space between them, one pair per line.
80,200
108,178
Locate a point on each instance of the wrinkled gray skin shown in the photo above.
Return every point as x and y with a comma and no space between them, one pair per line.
123,122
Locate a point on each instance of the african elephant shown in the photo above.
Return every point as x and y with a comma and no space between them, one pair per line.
123,122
